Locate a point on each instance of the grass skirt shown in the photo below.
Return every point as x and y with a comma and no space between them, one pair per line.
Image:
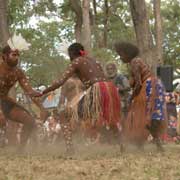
100,105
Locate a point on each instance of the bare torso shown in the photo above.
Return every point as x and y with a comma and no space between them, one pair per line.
88,70
8,78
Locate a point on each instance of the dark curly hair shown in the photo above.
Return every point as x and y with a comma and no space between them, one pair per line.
6,50
74,50
130,50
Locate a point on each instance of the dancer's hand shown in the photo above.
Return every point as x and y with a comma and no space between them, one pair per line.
49,89
36,94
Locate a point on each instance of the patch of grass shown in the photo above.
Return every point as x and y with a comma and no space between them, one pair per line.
96,162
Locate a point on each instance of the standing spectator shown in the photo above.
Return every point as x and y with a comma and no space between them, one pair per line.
121,83
53,129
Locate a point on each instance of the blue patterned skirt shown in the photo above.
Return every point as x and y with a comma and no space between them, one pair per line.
156,90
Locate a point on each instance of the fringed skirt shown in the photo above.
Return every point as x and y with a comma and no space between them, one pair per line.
148,105
100,104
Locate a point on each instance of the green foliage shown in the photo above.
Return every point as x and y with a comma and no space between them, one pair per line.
54,23
42,62
120,23
171,24
106,55
170,12
17,12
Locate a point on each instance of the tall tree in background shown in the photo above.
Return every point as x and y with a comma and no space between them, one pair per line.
86,25
76,8
58,21
82,22
106,18
96,39
158,31
4,29
4,32
170,11
142,29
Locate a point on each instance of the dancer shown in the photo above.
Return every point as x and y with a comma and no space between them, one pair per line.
10,74
148,108
100,103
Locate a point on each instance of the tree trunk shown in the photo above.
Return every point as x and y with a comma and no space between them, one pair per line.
4,30
86,25
158,31
106,18
97,41
94,8
142,30
76,7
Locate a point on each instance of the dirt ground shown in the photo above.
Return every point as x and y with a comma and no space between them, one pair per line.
95,162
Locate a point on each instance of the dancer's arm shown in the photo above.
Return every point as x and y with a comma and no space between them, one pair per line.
66,75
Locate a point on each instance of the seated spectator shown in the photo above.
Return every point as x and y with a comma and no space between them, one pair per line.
172,125
53,128
172,134
171,105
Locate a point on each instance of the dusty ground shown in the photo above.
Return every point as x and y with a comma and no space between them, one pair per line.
100,162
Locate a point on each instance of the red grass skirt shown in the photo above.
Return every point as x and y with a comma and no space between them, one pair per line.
100,105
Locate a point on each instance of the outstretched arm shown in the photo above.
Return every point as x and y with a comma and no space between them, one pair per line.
24,83
66,75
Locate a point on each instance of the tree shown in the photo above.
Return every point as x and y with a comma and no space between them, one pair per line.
45,38
171,17
141,25
4,29
158,31
86,25
106,19
76,7
111,22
